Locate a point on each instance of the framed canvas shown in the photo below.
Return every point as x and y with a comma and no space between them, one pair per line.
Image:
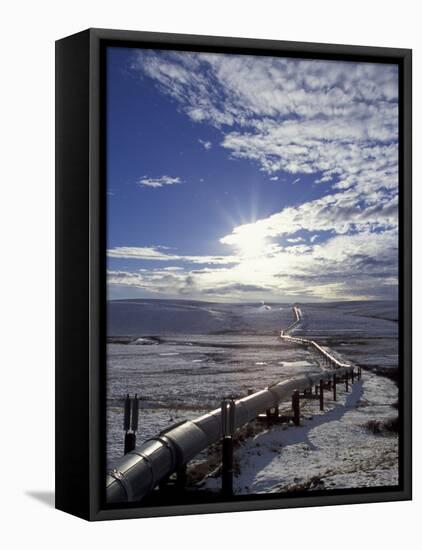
233,274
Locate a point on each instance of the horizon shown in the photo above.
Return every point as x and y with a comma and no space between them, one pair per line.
240,179
253,302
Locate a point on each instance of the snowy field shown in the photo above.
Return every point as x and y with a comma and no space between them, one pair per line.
182,357
179,376
365,333
332,449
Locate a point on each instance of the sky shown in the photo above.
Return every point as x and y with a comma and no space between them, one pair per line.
241,178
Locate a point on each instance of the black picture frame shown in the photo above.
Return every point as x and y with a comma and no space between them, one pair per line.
81,269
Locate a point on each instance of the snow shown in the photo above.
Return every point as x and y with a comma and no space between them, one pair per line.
331,449
176,381
235,347
145,317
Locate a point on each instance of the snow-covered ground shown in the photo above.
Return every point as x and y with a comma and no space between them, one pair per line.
184,377
138,317
331,449
181,358
363,332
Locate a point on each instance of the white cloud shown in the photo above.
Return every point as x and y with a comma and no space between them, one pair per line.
229,89
161,254
146,181
361,266
336,121
299,116
295,240
206,144
141,253
339,213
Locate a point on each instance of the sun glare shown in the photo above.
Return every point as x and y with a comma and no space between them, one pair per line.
251,243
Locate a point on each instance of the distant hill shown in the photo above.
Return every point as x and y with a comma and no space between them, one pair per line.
148,317
143,317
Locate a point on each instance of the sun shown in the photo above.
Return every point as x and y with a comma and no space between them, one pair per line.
250,243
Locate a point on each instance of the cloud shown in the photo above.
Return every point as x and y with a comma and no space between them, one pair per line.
141,253
361,266
338,120
291,103
238,89
235,288
146,181
207,144
161,254
334,121
152,281
295,240
338,213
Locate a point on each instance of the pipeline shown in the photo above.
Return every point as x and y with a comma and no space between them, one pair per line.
332,361
141,470
298,314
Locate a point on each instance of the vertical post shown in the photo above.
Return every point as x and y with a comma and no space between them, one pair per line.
316,389
353,375
321,395
227,425
130,442
359,373
131,412
334,387
163,484
130,437
296,407
272,414
126,417
227,470
346,380
135,413
181,477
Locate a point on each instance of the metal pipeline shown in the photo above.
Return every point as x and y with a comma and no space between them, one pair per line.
298,318
333,361
138,472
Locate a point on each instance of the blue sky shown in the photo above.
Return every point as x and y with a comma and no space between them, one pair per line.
238,178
